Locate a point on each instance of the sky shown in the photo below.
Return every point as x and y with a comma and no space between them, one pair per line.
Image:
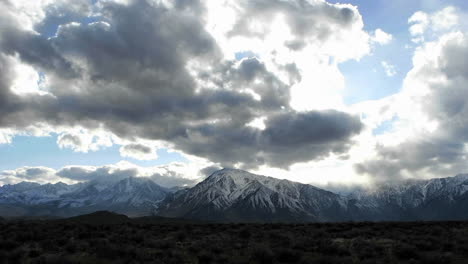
324,92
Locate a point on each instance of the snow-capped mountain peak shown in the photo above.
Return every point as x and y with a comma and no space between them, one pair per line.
236,195
134,196
239,194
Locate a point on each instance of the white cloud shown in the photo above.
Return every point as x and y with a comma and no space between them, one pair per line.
6,136
273,36
427,139
84,140
420,21
446,19
168,175
40,175
381,37
426,26
258,123
389,69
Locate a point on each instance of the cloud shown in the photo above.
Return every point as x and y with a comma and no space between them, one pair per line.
157,71
70,141
32,174
138,151
431,111
105,173
291,26
424,26
209,170
288,138
381,37
169,175
172,176
81,140
389,69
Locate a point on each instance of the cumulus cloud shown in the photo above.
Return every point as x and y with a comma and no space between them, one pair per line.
390,70
31,174
288,137
83,141
424,25
381,37
138,151
431,111
158,71
169,175
105,173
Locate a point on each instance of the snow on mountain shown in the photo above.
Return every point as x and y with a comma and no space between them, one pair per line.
133,192
434,199
32,193
134,196
236,195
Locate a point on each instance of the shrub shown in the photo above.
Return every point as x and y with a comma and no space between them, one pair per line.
204,257
245,233
261,254
405,252
34,253
289,256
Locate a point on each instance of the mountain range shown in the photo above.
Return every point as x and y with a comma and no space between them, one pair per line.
231,195
131,196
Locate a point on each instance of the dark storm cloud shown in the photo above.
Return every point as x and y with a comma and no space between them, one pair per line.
305,19
293,129
63,12
137,148
31,48
306,136
442,152
6,76
100,174
288,138
131,73
431,155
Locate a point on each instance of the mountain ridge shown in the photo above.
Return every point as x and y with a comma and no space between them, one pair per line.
131,196
231,195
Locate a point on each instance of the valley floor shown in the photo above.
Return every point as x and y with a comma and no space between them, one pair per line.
66,241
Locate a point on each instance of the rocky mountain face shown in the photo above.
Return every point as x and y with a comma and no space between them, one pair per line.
131,196
234,195
435,199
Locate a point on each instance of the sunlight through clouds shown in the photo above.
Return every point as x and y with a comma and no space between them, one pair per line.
257,85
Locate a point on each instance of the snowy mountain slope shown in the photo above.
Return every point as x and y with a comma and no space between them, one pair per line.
236,195
33,193
132,196
435,199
